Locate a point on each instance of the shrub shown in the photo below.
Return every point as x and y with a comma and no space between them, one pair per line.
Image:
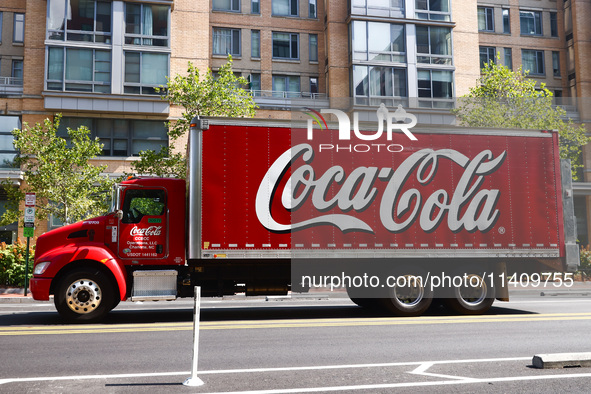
12,263
585,267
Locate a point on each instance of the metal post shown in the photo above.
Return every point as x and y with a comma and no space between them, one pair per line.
194,381
27,267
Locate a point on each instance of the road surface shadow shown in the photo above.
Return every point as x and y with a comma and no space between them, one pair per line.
211,314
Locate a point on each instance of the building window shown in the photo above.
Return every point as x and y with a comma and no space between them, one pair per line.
226,5
146,24
7,151
79,70
121,137
376,41
1,17
312,9
486,19
255,44
255,83
226,41
506,21
487,54
313,85
556,64
435,84
508,58
313,47
286,46
17,69
79,20
553,24
255,7
286,86
144,71
386,8
533,61
436,10
531,22
373,85
434,45
18,34
285,7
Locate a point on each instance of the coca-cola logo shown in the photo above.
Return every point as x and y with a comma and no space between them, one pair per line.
152,230
469,207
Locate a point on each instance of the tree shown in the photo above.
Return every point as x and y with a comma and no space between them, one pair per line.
212,95
508,99
67,186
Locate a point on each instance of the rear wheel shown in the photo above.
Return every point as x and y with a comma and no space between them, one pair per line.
474,297
410,295
84,295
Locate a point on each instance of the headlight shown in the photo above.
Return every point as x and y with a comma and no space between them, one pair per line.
41,267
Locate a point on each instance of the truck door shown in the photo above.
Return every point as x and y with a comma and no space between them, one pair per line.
144,226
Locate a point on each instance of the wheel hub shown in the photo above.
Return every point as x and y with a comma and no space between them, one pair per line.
83,296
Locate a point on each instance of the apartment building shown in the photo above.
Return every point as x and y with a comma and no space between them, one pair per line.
98,61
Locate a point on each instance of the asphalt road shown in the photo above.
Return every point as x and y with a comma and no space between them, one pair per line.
296,345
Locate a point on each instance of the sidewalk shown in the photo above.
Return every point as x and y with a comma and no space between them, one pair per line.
13,295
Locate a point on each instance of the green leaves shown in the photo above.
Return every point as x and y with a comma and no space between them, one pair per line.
219,94
508,99
67,185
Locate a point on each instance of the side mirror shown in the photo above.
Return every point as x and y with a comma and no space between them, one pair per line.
120,214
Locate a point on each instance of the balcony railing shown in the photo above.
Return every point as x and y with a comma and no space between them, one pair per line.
11,85
288,95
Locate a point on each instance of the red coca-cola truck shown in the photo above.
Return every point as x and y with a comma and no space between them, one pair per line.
398,215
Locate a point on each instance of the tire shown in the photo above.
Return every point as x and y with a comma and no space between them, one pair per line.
412,298
85,295
474,297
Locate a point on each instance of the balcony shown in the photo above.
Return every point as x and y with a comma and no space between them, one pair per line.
10,86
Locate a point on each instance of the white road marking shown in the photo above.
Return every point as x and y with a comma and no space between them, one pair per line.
422,370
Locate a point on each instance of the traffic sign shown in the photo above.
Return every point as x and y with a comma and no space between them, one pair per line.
29,214
29,232
30,199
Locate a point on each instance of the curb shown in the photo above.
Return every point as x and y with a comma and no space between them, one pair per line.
562,360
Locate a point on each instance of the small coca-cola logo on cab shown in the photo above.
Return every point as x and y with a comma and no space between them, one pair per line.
152,230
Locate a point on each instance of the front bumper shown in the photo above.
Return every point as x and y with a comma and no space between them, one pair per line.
40,288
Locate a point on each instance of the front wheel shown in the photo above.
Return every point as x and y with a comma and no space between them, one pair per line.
85,295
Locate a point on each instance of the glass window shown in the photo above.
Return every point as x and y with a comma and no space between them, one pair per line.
1,17
7,150
286,46
312,10
255,7
533,61
226,5
79,70
286,86
553,24
378,41
17,69
531,22
487,54
387,8
437,10
255,83
486,19
19,28
556,63
373,85
285,7
79,20
313,85
508,58
255,44
144,71
435,84
434,45
226,41
506,21
313,47
146,24
121,137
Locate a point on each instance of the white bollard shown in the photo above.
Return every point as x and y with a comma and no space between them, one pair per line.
194,381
